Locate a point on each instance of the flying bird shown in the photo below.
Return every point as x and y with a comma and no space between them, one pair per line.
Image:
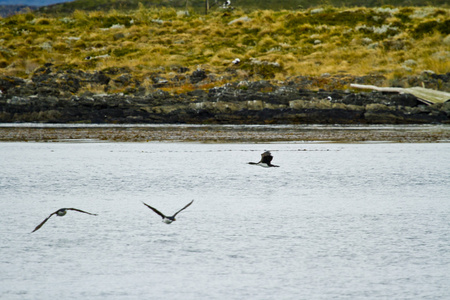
167,219
265,161
61,212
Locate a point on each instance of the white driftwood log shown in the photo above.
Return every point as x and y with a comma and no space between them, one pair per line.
427,96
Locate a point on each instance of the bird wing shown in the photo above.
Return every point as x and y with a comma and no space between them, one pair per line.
265,153
182,208
266,159
43,222
81,211
155,210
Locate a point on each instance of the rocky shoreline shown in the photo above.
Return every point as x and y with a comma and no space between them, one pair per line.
54,95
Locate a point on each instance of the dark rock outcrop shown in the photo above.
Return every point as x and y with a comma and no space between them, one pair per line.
52,95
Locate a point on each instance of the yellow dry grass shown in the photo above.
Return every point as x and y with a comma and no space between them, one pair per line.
301,42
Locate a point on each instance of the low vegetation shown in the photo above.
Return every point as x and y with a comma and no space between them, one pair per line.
199,5
161,43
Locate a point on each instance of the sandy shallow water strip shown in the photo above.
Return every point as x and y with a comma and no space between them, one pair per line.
222,134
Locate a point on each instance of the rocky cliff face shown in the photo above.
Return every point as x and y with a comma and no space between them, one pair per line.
56,96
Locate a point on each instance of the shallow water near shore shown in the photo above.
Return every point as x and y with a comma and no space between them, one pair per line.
334,221
26,132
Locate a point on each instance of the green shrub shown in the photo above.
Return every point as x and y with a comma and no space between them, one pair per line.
116,19
266,70
444,27
120,52
425,28
43,21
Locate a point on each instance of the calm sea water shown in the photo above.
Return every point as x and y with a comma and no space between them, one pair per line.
335,221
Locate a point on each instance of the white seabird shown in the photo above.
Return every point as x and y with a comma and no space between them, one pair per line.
61,212
167,219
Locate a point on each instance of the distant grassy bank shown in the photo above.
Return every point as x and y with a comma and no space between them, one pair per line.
147,42
199,5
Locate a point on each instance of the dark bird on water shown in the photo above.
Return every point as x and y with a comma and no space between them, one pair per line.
61,212
167,219
265,161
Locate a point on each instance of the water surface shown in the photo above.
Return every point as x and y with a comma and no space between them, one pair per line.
335,221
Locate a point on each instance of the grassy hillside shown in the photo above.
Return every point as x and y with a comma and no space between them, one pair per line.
199,5
270,44
8,10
